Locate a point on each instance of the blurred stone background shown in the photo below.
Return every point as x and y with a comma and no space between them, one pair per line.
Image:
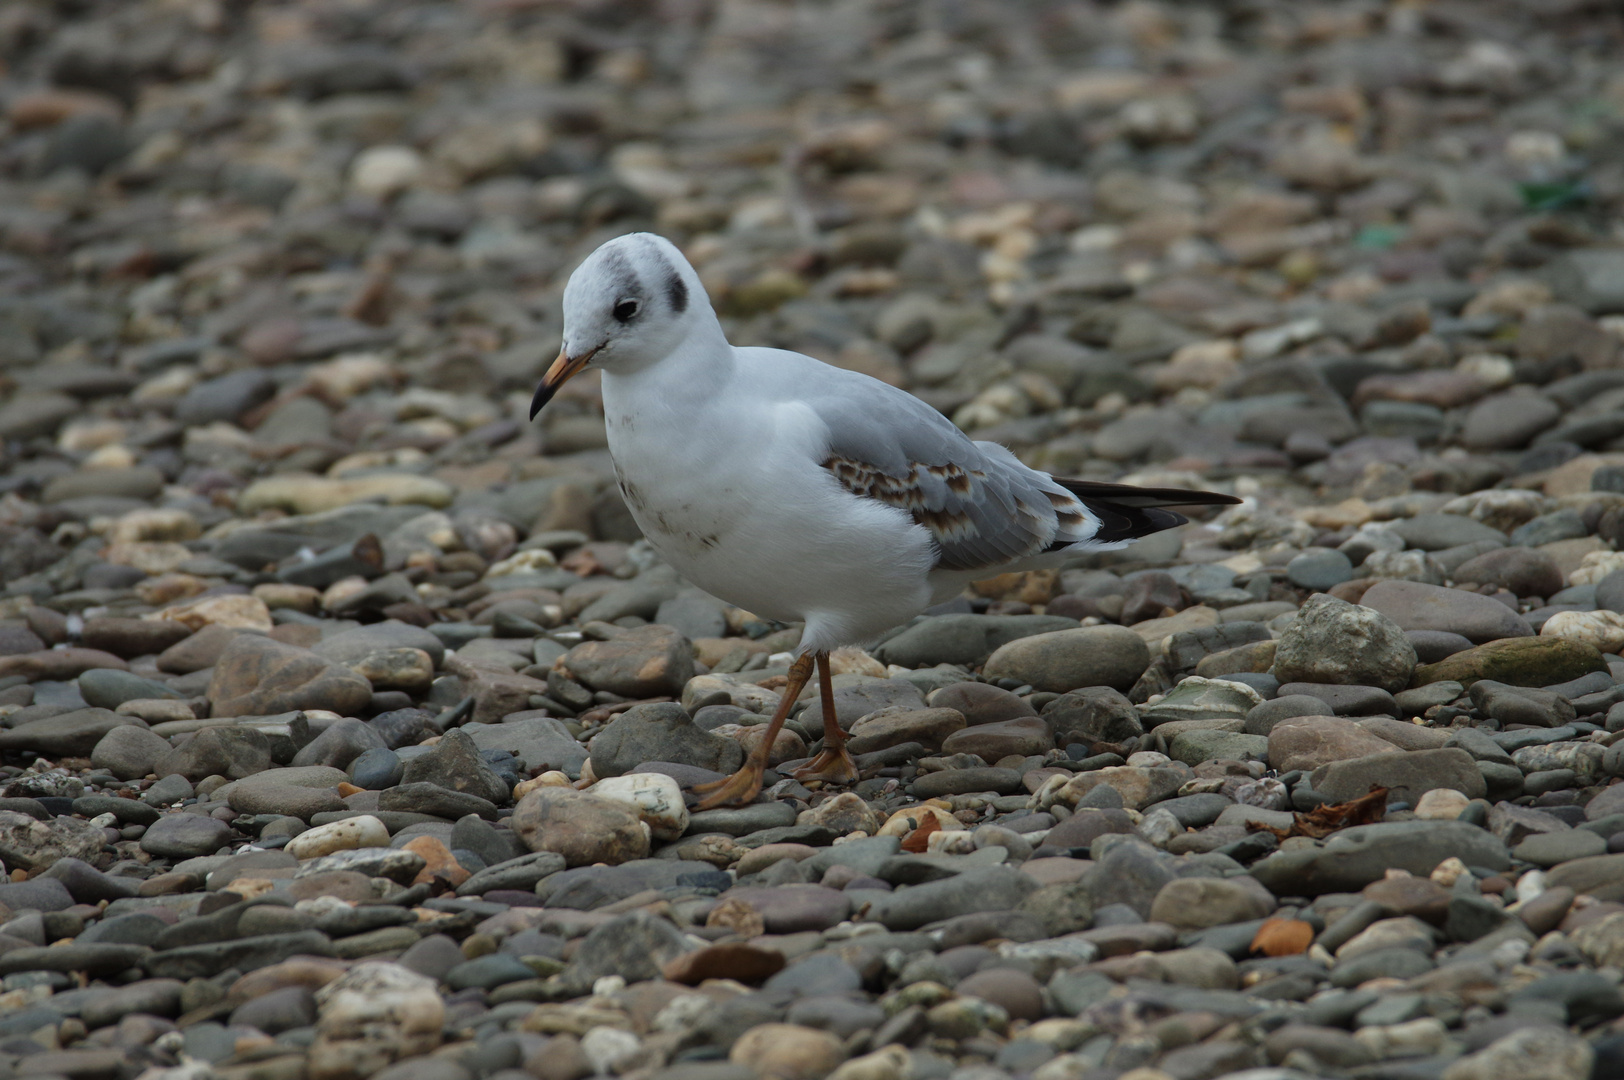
241,241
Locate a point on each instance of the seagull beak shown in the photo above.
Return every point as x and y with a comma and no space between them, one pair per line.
560,373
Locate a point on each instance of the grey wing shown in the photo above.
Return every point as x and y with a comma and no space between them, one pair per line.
982,506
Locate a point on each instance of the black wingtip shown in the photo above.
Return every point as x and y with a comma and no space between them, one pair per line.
1126,512
1118,522
1128,495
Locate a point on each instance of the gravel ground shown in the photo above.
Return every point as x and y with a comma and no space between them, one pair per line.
346,720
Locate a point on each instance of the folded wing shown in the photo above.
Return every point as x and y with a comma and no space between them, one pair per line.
983,507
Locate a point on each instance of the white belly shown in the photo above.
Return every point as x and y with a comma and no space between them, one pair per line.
760,525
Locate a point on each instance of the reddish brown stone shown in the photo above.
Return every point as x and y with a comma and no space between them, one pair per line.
130,638
58,665
257,676
1418,896
732,960
1283,937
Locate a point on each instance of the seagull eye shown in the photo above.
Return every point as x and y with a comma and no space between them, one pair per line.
625,310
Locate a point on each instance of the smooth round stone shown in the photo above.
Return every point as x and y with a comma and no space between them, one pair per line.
788,1051
1441,804
278,1011
112,576
1319,569
1549,849
488,972
992,742
435,956
87,884
742,820
1521,570
1399,419
1345,700
1067,659
108,688
711,717
1020,1057
792,909
1432,646
168,789
980,703
1203,578
136,928
377,769
1391,963
837,1013
1582,595
966,781
1194,747
1016,992
136,482
184,836
820,974
1563,524
1263,682
1531,661
1435,532
1194,811
1549,780
435,801
1147,594
39,893
225,397
341,743
455,635
1609,592
128,811
281,830
1198,903
1422,698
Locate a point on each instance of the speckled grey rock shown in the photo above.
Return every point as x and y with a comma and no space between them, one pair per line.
1353,858
660,733
1332,641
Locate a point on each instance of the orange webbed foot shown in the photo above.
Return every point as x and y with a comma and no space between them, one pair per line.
736,790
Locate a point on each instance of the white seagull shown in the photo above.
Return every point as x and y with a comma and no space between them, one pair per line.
803,492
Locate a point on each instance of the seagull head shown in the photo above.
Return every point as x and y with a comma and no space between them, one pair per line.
630,303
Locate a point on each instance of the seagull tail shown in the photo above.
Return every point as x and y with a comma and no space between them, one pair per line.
1127,513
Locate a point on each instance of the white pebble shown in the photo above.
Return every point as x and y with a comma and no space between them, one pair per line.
358,832
382,171
608,1048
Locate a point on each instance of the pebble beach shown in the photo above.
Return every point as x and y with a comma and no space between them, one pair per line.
348,724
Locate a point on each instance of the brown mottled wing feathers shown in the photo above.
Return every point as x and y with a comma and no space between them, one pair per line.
983,507
977,522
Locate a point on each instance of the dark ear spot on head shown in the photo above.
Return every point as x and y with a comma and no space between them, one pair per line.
677,292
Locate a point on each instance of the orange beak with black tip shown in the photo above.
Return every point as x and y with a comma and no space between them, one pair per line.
561,371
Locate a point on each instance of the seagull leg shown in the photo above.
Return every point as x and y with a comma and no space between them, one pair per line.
745,785
833,765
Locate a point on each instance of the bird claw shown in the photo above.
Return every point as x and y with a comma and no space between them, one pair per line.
832,766
737,790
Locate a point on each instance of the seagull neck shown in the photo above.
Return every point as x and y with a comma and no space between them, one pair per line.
699,364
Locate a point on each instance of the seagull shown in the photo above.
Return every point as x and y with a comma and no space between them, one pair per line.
803,492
